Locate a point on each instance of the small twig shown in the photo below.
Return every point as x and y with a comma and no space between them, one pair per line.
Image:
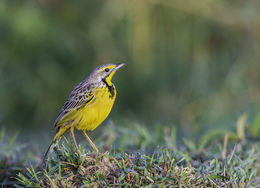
224,152
64,162
150,179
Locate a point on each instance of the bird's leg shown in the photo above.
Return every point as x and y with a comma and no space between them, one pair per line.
90,141
73,138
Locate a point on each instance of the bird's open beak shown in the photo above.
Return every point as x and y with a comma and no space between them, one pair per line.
119,65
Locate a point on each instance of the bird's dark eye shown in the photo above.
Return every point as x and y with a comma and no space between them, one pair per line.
107,69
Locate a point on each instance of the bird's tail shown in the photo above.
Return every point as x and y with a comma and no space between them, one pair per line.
52,145
58,135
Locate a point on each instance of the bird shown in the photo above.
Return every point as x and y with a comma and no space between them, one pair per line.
87,106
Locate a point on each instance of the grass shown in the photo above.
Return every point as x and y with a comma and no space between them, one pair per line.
218,159
11,159
185,168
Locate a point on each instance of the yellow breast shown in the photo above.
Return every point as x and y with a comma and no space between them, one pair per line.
94,113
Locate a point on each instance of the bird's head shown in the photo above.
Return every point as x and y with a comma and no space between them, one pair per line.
106,72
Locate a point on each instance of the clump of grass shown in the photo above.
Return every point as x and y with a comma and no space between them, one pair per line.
67,168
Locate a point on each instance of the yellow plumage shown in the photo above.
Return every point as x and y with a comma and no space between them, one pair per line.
96,112
88,105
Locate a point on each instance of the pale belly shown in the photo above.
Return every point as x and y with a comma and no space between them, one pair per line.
94,113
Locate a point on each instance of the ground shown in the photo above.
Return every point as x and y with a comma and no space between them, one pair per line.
221,160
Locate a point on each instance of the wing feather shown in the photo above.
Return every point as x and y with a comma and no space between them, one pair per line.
79,97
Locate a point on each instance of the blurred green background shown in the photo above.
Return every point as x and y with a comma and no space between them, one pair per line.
190,64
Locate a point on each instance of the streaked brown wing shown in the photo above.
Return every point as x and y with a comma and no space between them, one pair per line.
78,98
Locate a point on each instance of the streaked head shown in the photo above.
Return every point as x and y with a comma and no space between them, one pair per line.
105,72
